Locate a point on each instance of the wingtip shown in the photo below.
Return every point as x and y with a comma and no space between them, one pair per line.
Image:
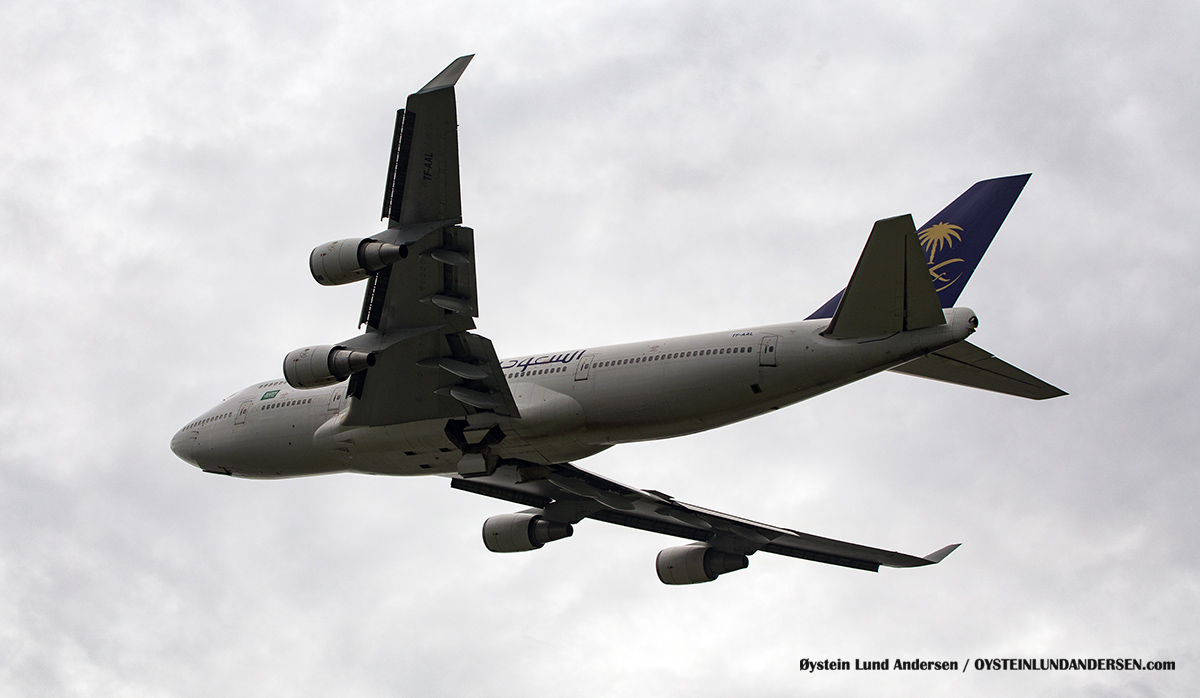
939,555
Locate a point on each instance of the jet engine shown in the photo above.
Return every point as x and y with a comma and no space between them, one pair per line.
313,367
693,564
346,261
514,533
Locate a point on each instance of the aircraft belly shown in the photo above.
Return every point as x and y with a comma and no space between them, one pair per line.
549,450
544,411
671,400
412,448
550,429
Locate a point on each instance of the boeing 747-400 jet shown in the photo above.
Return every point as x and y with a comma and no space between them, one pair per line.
420,394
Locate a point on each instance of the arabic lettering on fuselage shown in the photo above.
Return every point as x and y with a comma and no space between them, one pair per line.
536,361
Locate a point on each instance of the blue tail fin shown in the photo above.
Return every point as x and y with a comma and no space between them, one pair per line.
955,239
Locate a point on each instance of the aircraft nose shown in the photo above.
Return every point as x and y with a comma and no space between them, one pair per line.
183,444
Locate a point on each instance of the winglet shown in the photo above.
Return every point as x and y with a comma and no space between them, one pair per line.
447,77
939,555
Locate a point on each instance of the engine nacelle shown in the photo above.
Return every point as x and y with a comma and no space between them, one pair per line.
514,533
313,367
697,563
346,261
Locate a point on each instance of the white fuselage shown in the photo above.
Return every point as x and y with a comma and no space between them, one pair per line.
572,404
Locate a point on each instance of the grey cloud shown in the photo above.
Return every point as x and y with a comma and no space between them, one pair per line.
631,171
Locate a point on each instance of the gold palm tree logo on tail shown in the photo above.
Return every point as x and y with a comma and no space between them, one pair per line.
934,239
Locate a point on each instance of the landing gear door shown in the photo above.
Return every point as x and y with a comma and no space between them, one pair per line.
243,410
581,371
766,351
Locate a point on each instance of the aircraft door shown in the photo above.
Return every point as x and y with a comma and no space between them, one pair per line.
335,400
243,410
581,371
766,351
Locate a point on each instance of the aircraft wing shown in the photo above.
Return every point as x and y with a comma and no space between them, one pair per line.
420,309
570,494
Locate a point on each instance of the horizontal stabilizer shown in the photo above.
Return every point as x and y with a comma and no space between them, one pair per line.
890,290
966,364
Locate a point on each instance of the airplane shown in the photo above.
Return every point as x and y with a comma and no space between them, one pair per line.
419,393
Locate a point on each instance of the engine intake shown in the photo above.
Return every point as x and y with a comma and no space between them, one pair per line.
313,367
521,531
697,563
354,259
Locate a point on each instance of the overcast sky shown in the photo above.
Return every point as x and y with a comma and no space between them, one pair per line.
632,170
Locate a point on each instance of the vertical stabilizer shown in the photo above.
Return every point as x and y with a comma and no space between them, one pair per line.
955,239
